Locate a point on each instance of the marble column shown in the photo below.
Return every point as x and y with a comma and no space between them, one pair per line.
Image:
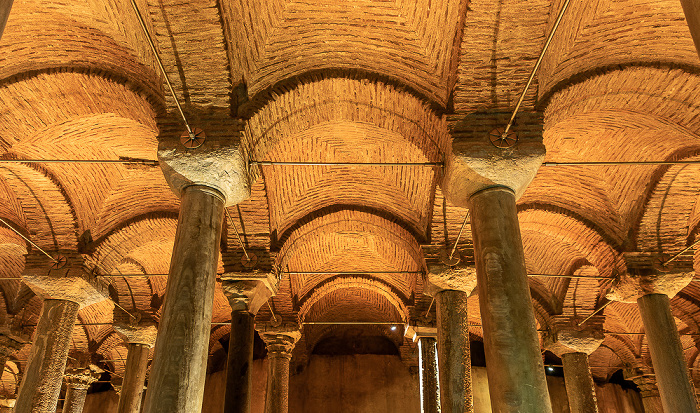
65,290
451,287
645,380
280,342
5,7
487,176
426,337
573,344
691,8
207,179
178,371
651,287
514,363
78,382
140,339
246,292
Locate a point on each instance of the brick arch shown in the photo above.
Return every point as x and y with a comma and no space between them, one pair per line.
102,36
341,240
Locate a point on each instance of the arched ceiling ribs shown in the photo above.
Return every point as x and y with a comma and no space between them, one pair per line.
594,35
50,216
336,100
99,36
668,221
379,300
350,240
79,99
414,42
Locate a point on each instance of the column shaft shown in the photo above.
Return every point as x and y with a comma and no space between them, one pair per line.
277,397
134,377
429,391
75,399
580,388
176,382
672,376
454,359
239,383
5,7
691,8
513,360
43,376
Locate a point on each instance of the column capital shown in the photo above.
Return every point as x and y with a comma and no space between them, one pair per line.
81,378
442,277
564,335
646,275
475,163
644,377
143,333
280,341
416,332
12,340
248,291
71,279
218,164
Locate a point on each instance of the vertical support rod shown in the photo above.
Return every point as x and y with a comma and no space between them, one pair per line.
43,376
672,375
239,382
454,359
514,363
176,383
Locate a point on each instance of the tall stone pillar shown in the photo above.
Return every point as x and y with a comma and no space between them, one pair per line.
246,293
280,342
645,380
487,173
573,344
451,286
691,8
78,381
426,337
140,340
651,286
207,179
65,290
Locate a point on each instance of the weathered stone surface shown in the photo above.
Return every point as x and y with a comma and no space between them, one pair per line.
691,8
248,290
645,380
141,334
239,366
71,282
217,164
415,332
78,381
43,376
454,358
474,163
566,336
445,277
580,388
430,394
131,387
646,275
280,343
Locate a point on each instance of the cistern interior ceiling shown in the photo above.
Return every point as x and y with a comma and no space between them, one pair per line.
365,81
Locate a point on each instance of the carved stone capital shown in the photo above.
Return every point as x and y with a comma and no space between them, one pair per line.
81,378
71,280
416,332
645,275
12,340
219,164
564,336
137,334
442,277
644,378
280,341
248,291
475,163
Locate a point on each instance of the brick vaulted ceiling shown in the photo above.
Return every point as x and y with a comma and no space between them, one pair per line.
340,81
